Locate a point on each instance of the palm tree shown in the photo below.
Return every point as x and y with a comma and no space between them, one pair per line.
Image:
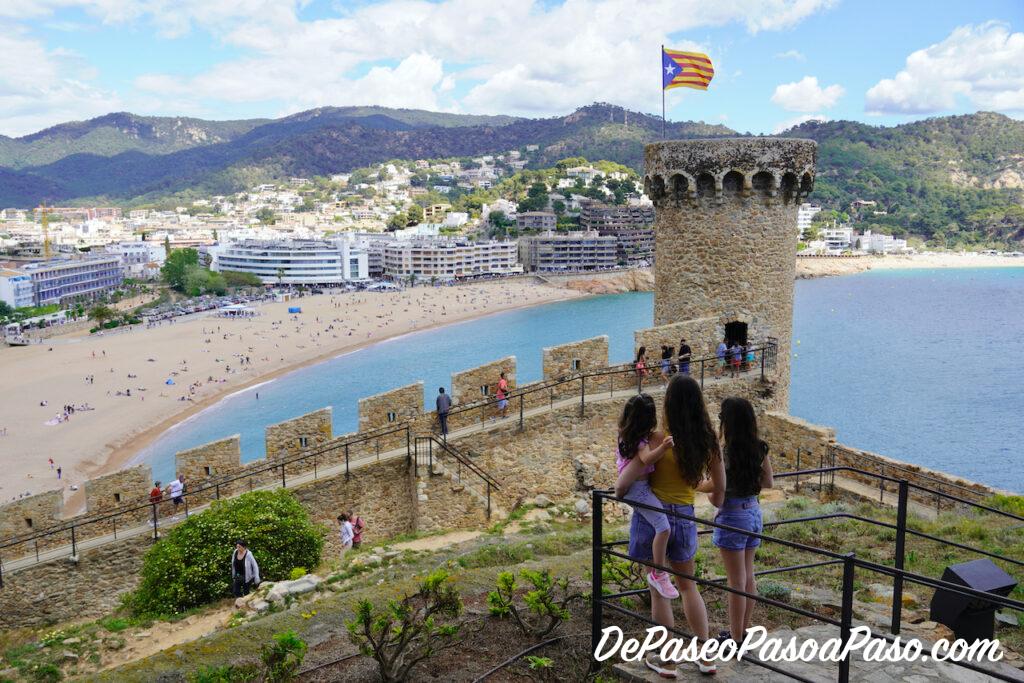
101,314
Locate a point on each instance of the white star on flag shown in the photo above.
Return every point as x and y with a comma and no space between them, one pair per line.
670,69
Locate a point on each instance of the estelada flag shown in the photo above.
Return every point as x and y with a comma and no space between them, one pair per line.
685,70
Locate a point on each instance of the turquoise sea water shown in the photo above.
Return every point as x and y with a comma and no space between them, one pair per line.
922,365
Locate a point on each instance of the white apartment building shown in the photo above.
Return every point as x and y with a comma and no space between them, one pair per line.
805,216
294,262
59,281
138,253
878,243
449,259
16,289
837,240
568,252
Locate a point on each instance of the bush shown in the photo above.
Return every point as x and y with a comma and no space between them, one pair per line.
407,631
229,673
545,605
297,573
774,590
283,657
191,566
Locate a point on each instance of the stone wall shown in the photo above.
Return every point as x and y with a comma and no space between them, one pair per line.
702,334
301,433
72,589
31,514
726,234
568,359
215,459
112,491
467,387
785,434
392,408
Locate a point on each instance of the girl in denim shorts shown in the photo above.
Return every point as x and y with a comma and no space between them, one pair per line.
635,461
747,471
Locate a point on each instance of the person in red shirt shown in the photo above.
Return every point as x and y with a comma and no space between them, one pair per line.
156,494
502,395
357,528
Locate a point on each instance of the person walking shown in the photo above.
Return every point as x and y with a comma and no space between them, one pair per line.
347,533
502,395
176,490
245,573
685,354
358,525
720,352
444,405
695,456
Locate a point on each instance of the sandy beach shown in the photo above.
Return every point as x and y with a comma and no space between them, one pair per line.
118,382
812,266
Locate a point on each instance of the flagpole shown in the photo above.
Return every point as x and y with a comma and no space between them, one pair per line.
663,97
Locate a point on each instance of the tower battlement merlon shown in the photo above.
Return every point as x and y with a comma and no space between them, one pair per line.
687,171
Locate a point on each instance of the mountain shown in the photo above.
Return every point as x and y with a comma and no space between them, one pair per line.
956,180
151,157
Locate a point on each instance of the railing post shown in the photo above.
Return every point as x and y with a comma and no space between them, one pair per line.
762,365
185,497
881,486
488,500
346,462
701,373
282,476
216,490
901,537
154,521
408,444
798,449
112,519
74,546
1,573
821,475
639,381
596,588
520,412
846,618
314,466
583,395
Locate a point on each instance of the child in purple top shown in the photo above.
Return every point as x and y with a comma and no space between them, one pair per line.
636,458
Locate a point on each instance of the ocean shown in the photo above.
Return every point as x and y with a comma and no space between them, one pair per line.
920,365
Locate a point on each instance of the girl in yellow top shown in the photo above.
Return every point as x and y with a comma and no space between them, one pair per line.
695,456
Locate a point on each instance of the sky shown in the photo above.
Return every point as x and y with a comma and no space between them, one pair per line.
777,62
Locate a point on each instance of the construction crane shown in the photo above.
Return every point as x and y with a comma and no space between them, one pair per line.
47,252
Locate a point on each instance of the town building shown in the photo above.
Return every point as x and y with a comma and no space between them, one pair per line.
631,225
877,243
449,259
805,216
568,252
139,259
294,262
16,289
435,213
536,220
837,240
59,281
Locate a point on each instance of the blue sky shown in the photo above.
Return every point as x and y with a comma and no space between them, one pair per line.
777,61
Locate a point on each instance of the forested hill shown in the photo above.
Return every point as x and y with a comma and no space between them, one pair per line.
954,179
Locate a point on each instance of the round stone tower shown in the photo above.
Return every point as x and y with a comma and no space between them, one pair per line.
725,236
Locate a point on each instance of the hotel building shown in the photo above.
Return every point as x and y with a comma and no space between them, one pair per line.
448,259
292,262
568,252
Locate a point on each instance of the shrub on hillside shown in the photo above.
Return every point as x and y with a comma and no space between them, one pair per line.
191,566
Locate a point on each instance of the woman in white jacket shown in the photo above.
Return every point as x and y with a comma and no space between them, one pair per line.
347,533
245,573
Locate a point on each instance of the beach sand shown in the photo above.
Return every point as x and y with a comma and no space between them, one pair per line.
811,267
191,352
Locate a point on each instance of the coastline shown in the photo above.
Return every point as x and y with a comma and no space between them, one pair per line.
107,438
808,267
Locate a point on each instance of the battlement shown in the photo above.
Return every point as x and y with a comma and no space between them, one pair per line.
687,172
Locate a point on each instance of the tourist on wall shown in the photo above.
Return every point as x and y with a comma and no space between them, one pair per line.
685,354
347,533
444,405
748,469
640,364
502,395
176,490
640,446
720,353
245,573
358,525
735,358
666,362
695,456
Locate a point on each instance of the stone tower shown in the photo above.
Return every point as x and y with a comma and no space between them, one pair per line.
726,234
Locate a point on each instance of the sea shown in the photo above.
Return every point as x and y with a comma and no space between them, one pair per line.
926,366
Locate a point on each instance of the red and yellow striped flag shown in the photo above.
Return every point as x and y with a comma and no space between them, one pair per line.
685,70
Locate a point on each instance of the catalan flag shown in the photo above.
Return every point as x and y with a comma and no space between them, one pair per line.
685,70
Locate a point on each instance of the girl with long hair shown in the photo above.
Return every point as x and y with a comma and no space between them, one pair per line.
694,457
635,460
748,470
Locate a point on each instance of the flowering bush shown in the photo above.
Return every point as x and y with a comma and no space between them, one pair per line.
192,565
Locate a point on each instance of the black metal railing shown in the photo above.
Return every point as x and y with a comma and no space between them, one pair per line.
131,511
851,564
429,450
601,381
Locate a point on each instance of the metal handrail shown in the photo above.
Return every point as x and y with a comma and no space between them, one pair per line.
462,458
850,563
211,483
848,451
489,482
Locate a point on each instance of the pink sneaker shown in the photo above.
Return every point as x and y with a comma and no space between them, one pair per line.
660,582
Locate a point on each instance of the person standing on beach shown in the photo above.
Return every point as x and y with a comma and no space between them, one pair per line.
444,405
58,472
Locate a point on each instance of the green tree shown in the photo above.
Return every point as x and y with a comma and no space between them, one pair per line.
102,314
176,265
398,221
236,279
190,565
415,214
6,310
266,216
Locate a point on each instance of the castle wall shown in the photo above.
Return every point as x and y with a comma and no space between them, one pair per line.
298,434
785,434
466,388
702,334
109,492
390,409
29,514
726,234
214,459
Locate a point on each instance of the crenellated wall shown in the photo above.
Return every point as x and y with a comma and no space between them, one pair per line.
298,434
568,359
116,490
30,514
702,334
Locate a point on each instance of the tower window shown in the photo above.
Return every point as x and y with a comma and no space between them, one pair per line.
736,333
207,470
117,497
484,390
575,364
392,416
303,441
28,522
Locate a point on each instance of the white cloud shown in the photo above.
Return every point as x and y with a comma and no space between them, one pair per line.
982,64
791,54
806,95
517,57
796,121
